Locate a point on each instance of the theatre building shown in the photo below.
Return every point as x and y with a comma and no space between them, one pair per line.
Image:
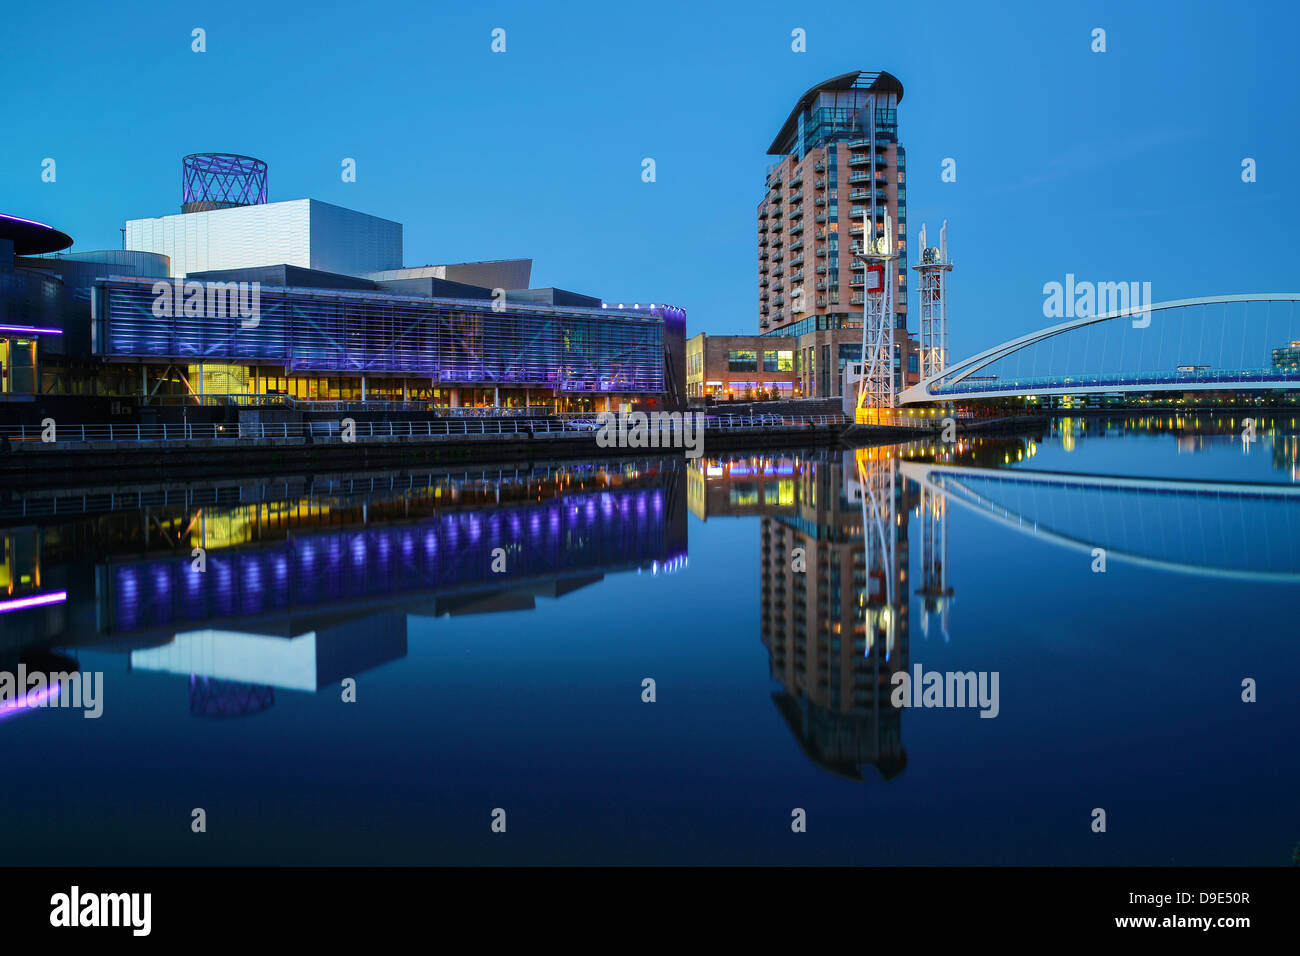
238,300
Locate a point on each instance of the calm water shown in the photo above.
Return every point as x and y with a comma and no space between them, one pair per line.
522,689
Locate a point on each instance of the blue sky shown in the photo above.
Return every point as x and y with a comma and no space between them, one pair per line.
1115,166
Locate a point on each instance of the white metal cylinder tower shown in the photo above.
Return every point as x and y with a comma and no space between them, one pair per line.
934,269
876,382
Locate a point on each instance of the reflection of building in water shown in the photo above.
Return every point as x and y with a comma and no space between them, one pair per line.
297,592
838,630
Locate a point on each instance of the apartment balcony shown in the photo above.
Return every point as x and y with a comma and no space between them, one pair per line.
858,300
856,194
821,269
778,287
857,212
820,201
796,245
763,296
762,226
777,256
797,277
778,272
763,283
882,198
796,180
820,168
821,286
796,213
820,250
855,227
820,217
762,241
860,159
820,183
762,214
777,242
859,177
821,303
796,262
778,303
796,196
796,229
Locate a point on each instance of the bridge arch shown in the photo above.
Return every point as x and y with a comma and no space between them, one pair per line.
1199,368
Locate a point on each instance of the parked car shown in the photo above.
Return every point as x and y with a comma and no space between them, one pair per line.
582,424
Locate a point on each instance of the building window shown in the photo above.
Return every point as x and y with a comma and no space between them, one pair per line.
742,360
778,361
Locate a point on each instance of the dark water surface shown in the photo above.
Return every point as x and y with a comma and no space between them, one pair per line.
522,690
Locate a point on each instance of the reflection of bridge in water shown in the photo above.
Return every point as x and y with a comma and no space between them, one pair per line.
837,630
1225,529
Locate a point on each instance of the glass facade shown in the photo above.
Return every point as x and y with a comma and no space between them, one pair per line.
354,333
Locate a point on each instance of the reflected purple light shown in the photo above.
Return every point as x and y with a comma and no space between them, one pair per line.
34,698
33,600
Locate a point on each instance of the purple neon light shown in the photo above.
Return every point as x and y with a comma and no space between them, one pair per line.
21,219
30,328
35,600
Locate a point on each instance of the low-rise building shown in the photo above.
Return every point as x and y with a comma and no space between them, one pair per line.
741,367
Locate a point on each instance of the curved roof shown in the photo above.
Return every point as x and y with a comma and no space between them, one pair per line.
881,82
32,238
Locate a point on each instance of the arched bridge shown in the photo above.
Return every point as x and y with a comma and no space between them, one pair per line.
1215,343
1224,529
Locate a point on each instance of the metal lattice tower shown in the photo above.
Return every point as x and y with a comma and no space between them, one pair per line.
876,383
221,181
877,475
934,269
934,559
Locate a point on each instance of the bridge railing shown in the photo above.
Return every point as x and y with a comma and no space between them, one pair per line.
1101,380
442,428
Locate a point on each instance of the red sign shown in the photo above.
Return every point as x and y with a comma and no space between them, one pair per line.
875,278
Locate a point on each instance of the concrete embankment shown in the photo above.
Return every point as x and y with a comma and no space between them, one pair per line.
35,464
860,435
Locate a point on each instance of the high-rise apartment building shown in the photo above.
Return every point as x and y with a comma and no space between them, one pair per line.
840,161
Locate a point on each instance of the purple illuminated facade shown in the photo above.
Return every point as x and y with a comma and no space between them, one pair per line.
555,350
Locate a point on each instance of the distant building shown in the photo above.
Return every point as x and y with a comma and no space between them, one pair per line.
840,160
1287,357
724,367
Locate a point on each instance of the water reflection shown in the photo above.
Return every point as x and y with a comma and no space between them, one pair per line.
836,535
309,583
